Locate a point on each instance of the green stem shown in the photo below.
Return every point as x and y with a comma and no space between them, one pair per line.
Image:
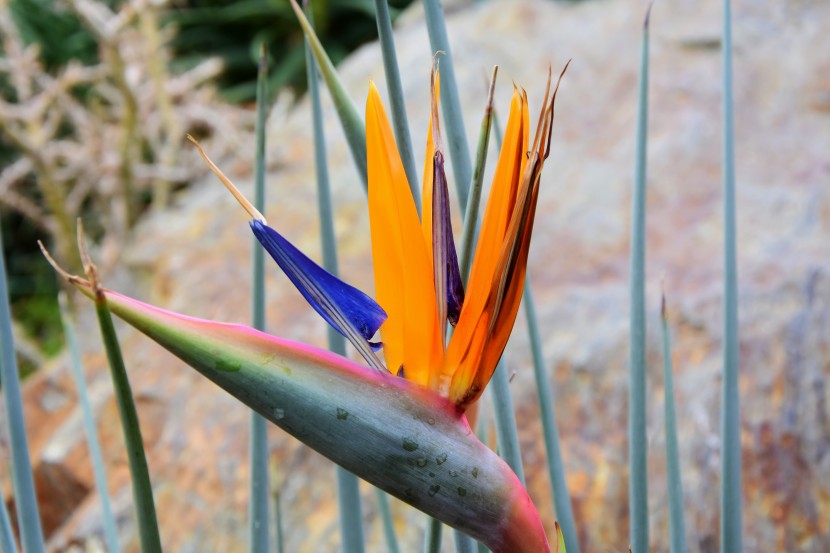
677,527
388,523
637,399
450,101
432,538
7,543
28,516
278,523
259,488
556,468
99,472
148,530
731,487
509,449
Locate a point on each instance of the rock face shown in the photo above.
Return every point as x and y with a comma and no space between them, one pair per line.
194,258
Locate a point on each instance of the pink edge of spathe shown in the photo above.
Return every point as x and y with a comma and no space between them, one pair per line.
521,531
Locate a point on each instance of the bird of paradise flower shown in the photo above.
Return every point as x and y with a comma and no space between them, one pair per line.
409,436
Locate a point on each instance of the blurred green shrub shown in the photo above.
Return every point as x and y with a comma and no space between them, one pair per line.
234,31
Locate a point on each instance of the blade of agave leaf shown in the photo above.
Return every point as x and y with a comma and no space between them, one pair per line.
450,101
637,399
145,509
556,468
396,98
731,493
468,234
433,535
7,542
350,119
677,526
28,516
258,485
388,522
347,309
99,472
371,423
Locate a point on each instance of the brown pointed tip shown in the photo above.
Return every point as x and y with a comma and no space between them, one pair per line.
243,201
72,279
648,16
491,92
663,310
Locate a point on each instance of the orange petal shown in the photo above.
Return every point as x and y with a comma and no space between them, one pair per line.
493,325
403,272
467,343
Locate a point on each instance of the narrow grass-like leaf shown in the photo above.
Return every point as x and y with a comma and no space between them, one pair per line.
259,488
463,542
400,122
278,523
148,530
99,472
468,234
731,493
389,534
556,468
28,516
450,101
506,421
637,399
677,526
348,492
350,119
432,537
7,542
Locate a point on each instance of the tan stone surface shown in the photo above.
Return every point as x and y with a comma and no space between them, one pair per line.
194,259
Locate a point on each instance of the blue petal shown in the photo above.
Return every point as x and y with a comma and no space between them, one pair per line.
351,312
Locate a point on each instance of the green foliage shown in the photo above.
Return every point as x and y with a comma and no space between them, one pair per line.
59,34
235,30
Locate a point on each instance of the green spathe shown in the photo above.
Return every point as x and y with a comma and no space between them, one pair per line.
401,437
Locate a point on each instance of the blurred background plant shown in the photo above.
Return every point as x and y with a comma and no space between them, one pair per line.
121,83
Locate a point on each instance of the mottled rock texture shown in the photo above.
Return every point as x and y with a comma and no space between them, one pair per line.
194,258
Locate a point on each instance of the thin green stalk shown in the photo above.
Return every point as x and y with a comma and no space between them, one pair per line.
677,527
7,543
731,487
463,542
148,530
278,523
556,468
509,449
100,474
348,492
468,234
637,440
388,523
350,119
259,488
450,101
396,98
28,516
432,538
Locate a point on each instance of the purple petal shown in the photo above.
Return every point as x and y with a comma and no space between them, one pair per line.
351,312
447,274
